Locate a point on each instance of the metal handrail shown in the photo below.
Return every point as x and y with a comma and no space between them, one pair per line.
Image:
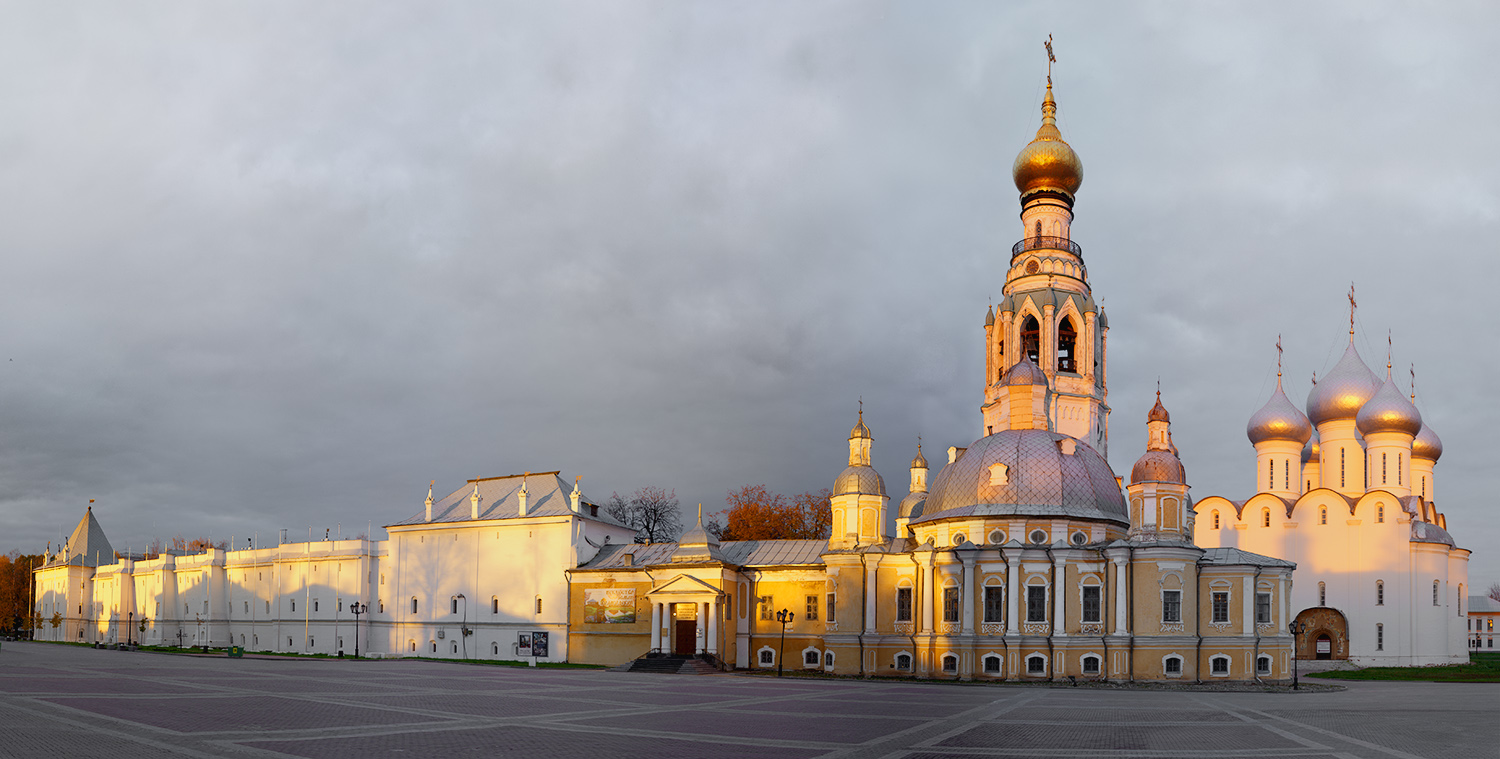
1046,243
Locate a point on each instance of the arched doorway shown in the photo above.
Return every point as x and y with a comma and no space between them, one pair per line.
1325,634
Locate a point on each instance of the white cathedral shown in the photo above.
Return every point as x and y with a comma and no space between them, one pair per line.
1346,491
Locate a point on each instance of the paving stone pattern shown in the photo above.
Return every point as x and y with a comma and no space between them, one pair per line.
64,701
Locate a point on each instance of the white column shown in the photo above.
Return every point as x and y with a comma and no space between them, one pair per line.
967,589
1249,605
713,627
1013,595
1121,594
869,599
655,626
703,625
1060,596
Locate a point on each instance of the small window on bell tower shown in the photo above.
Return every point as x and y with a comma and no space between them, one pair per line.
1067,337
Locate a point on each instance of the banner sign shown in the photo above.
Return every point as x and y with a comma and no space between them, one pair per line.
523,644
539,645
612,606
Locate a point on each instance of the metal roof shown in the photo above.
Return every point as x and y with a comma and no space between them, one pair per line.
1229,556
499,498
744,553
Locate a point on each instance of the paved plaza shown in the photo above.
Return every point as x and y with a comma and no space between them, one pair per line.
63,701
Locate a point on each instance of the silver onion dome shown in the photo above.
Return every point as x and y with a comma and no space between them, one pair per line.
1341,394
919,461
862,480
911,506
1426,445
1278,420
1388,411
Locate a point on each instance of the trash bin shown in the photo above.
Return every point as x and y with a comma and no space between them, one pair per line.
235,652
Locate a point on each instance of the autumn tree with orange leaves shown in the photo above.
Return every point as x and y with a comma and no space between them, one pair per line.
757,514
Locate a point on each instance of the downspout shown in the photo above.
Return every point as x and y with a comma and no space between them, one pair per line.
1104,636
1052,629
1005,650
864,600
1130,612
659,621
1198,622
912,636
1255,658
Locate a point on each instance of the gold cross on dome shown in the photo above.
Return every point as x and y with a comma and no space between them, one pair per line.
1278,357
1352,306
1051,59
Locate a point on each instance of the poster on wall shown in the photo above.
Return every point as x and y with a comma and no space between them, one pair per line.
523,644
539,645
612,606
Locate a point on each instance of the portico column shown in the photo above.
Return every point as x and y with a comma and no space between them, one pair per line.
1013,595
1060,594
713,627
869,599
703,621
1120,596
655,626
967,589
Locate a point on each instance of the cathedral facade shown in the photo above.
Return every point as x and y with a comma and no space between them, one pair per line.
1348,492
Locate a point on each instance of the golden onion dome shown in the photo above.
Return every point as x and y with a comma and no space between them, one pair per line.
1048,162
1388,411
1345,389
1278,420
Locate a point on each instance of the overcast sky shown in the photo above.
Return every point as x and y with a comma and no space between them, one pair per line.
277,265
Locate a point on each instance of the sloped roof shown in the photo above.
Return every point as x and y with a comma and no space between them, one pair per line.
547,496
87,546
743,553
1483,604
1226,556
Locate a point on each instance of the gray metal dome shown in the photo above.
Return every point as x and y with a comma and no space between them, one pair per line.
1388,411
1158,466
1024,373
1341,394
1279,419
911,506
1426,445
1038,480
863,480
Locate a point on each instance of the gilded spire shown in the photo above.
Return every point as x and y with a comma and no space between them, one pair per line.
1048,163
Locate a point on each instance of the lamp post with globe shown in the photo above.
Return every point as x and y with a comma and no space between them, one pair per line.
1295,628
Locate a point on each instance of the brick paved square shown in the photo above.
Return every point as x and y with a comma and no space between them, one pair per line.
732,722
1120,737
525,742
234,713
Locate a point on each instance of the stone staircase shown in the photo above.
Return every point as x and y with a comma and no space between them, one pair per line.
671,664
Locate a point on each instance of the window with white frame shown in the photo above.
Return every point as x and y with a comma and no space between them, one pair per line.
828,659
950,663
992,665
1434,592
994,603
1218,665
767,657
903,662
1322,594
997,537
1380,592
1036,664
812,609
1171,606
1263,608
811,657
1263,665
1090,664
833,605
950,603
1221,606
767,610
903,604
1172,665
1092,606
1036,603
1379,637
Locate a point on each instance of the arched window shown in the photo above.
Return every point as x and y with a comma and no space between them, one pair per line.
1030,337
1380,592
1382,468
414,604
992,665
1263,665
494,649
1067,338
1322,515
1265,517
1270,474
903,662
1379,637
828,659
811,657
1172,666
413,645
1434,592
1036,664
1286,475
950,663
1341,467
1399,458
1380,513
1090,665
434,645
1322,594
494,604
1219,666
1038,229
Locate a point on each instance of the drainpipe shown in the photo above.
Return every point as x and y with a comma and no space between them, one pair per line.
1005,650
1051,629
1198,622
1255,658
914,611
863,601
1130,611
1104,636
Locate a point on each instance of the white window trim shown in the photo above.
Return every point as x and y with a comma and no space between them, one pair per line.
1271,662
1228,665
1091,581
819,661
1094,655
1181,668
896,664
957,661
760,658
986,656
829,658
1046,665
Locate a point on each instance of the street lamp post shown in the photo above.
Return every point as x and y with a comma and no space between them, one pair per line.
130,628
1295,628
785,618
357,609
463,627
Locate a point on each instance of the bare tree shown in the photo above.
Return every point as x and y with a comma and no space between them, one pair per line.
651,512
1494,591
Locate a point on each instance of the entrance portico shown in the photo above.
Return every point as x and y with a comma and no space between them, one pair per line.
684,616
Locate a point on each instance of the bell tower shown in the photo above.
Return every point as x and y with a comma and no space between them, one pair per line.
1048,317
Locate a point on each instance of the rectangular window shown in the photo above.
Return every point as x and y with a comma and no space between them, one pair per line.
1263,608
1379,637
994,604
766,612
903,604
1036,603
1091,611
812,609
1221,606
832,606
453,610
1220,666
950,604
1171,606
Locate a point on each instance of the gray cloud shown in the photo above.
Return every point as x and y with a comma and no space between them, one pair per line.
273,265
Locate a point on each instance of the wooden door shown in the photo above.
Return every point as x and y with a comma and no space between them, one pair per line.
685,638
